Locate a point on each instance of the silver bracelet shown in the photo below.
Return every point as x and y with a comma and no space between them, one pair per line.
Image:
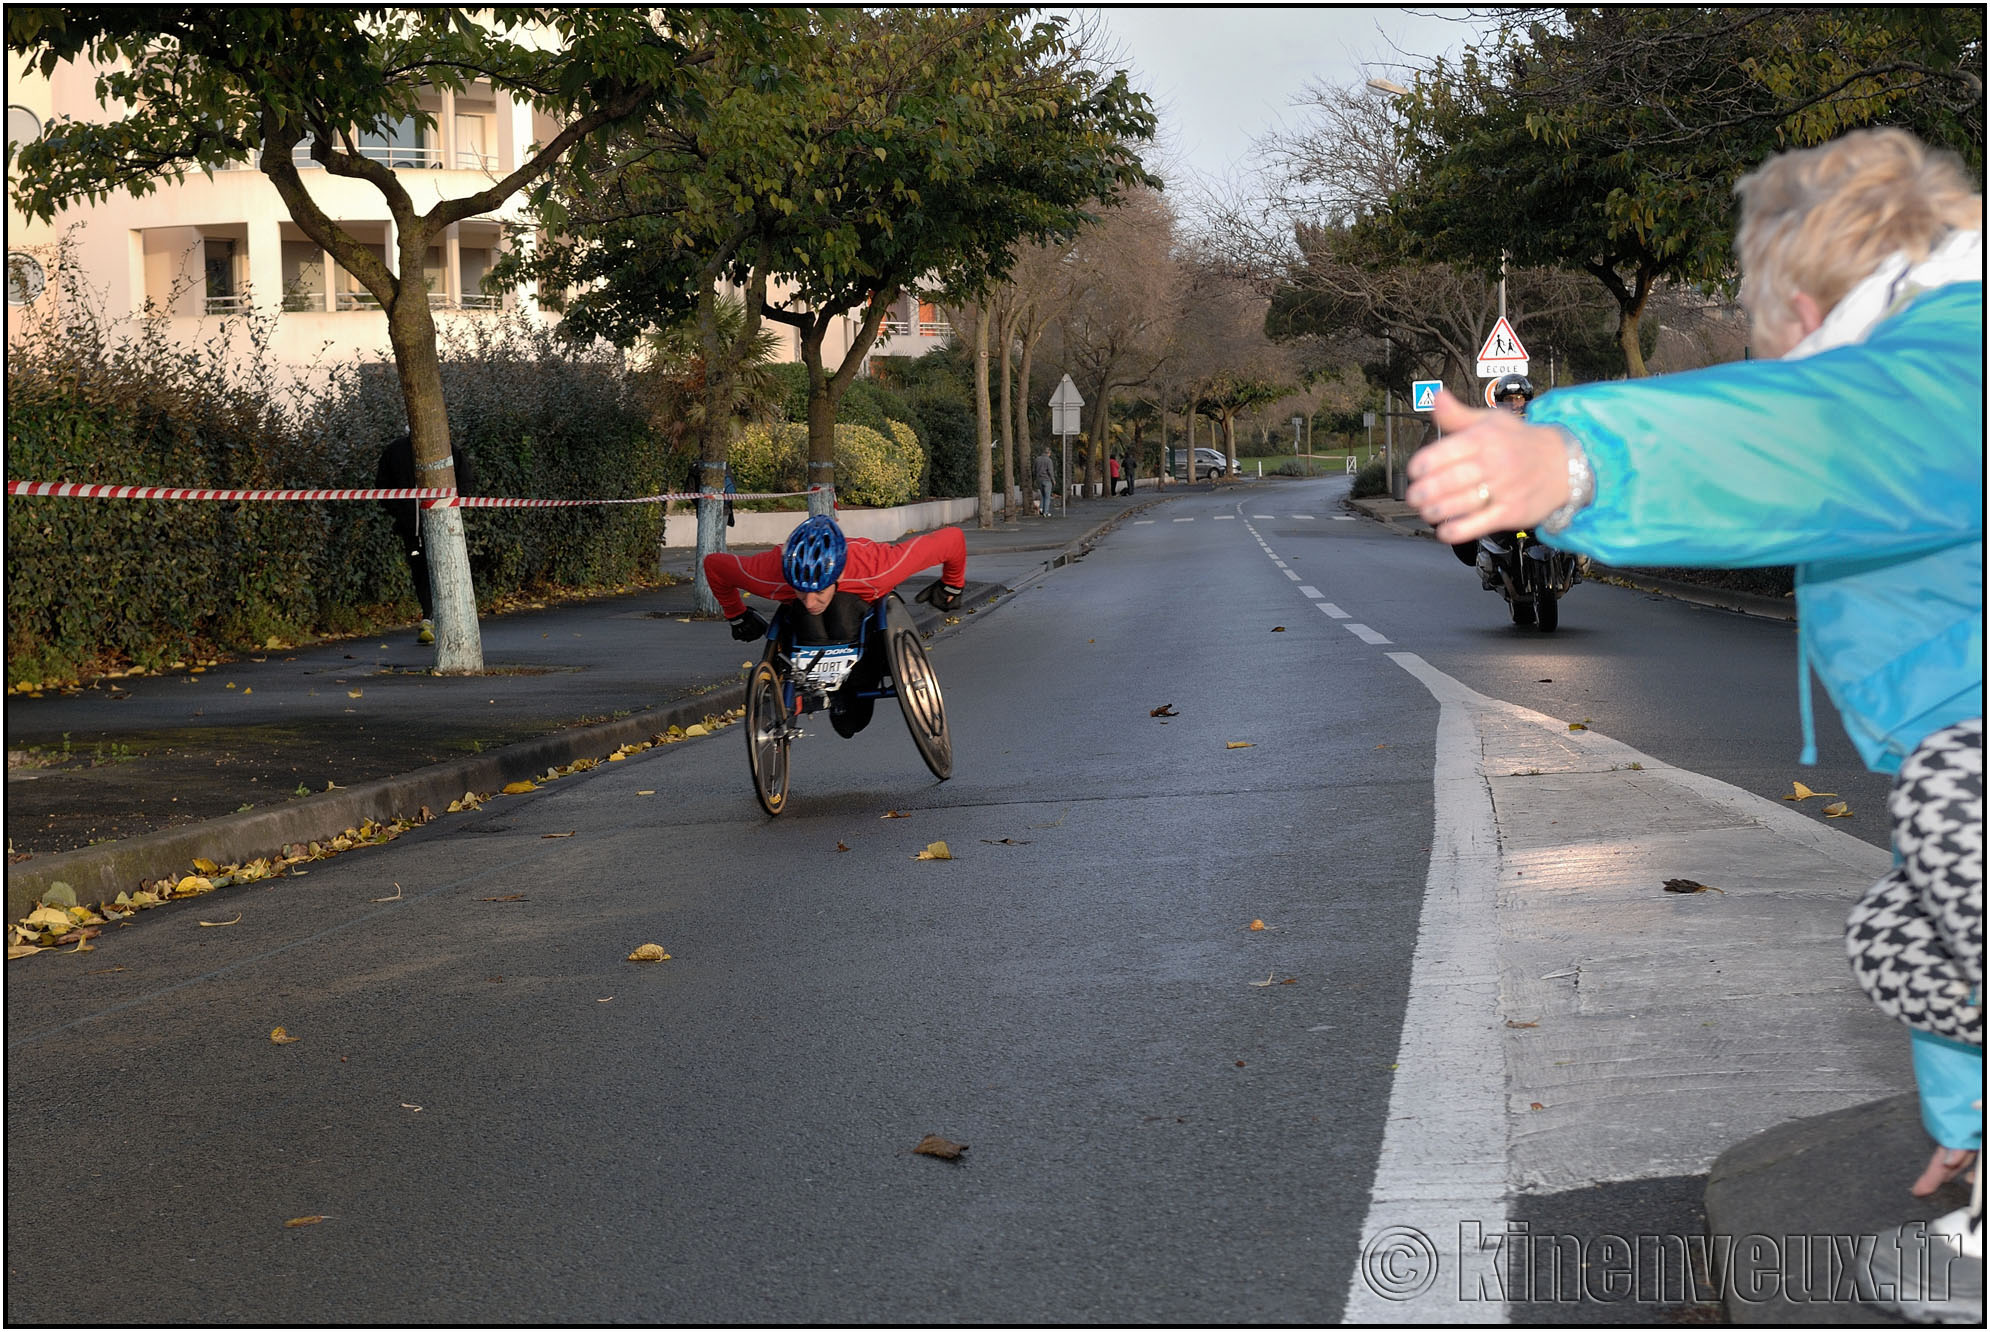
1582,487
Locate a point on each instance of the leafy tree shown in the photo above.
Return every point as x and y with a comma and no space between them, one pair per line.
1609,139
210,85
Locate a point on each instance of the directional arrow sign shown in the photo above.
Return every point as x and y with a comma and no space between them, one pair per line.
1065,404
1502,354
1423,394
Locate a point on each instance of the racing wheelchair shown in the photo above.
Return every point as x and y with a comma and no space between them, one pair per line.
793,680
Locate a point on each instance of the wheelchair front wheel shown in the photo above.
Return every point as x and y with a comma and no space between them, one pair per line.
767,736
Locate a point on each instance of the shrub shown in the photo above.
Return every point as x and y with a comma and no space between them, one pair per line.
1372,479
873,468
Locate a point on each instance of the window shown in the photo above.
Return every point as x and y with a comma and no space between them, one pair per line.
404,143
223,293
303,277
471,151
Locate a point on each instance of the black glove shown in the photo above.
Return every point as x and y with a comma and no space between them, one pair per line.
748,625
941,597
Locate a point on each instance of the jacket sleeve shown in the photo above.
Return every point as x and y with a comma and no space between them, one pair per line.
875,569
730,575
1874,449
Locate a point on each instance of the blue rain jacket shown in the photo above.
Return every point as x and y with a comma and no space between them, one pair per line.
1861,465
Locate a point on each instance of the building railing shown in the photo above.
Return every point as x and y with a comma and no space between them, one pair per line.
358,300
227,304
896,328
470,160
935,328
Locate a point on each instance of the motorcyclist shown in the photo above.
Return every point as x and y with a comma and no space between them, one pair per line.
1513,392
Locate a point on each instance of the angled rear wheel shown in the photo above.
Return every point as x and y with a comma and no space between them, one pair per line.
767,737
918,690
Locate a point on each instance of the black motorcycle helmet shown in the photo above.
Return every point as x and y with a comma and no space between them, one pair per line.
1513,386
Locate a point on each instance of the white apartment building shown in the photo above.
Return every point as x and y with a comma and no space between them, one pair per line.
196,251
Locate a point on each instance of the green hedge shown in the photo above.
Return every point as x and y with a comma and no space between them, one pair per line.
873,468
96,583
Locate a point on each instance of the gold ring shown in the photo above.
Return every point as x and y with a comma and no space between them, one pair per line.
1485,495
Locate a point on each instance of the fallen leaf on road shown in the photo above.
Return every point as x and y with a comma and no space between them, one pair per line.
1278,628
297,1221
278,1036
893,814
395,898
21,950
645,793
1841,810
519,788
1519,1025
355,693
1578,726
1165,710
935,851
1255,925
415,1108
217,924
935,1145
1536,1105
206,866
1689,886
649,952
509,897
1239,744
550,836
841,847
1798,791
609,1000
1290,980
1003,841
1266,982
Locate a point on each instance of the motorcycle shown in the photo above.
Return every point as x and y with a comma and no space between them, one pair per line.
1531,576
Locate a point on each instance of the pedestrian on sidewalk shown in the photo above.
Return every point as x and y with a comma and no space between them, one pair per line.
1044,474
1112,470
396,471
1862,273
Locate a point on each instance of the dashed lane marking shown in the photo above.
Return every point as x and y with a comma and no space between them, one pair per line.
1335,611
1364,633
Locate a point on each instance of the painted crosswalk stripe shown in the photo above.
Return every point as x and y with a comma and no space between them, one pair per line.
1142,522
1312,592
1184,520
1364,633
1335,611
1307,517
1225,517
1343,517
1293,576
1264,517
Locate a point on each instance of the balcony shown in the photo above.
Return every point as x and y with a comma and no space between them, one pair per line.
935,328
896,328
227,304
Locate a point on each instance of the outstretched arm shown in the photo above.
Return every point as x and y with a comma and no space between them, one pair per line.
731,576
875,569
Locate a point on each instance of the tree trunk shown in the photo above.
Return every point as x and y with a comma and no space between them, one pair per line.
459,648
721,373
821,422
1628,318
1023,439
1009,492
984,433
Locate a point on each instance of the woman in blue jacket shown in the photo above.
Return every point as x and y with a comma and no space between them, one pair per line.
1857,457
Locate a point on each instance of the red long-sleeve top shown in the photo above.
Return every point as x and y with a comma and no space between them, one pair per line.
871,569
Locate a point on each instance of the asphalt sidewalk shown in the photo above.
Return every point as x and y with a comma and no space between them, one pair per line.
129,779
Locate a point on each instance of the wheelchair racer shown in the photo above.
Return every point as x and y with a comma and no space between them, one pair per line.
827,583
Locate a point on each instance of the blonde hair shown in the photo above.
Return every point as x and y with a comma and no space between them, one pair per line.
1819,220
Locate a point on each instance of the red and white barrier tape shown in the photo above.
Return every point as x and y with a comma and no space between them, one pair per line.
430,497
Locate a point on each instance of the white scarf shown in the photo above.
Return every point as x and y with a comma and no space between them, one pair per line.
1888,290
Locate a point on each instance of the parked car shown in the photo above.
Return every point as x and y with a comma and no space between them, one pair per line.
1208,463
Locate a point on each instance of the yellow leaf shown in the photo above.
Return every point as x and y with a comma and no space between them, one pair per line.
645,793
1801,792
297,1221
519,788
617,757
893,814
216,924
1240,744
355,693
695,728
20,950
1841,810
649,952
278,1036
192,884
246,691
206,866
935,1145
1577,726
49,918
935,851
1256,925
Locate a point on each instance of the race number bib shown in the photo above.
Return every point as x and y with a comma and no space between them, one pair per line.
823,667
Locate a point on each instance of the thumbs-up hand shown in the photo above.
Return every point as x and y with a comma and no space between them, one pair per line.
1491,472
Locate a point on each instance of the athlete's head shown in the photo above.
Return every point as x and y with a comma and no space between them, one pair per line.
812,560
1513,392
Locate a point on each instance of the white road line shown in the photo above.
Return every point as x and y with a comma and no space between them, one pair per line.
1305,517
1224,517
1289,574
1184,520
1265,517
1335,611
1443,1158
1312,592
1280,563
1343,517
1142,522
1364,633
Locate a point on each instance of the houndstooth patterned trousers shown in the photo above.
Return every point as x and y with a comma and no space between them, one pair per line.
1916,937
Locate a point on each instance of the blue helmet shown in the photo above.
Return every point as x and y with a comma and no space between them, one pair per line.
813,557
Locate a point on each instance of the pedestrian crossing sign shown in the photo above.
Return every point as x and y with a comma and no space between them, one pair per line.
1423,394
